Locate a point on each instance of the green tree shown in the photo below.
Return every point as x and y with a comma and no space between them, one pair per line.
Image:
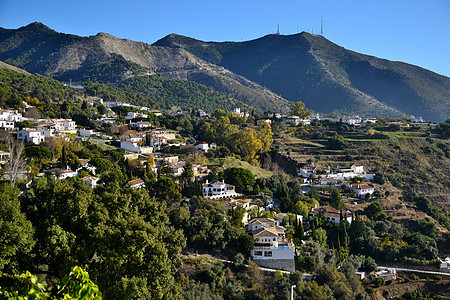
337,142
76,285
242,178
374,211
16,232
336,198
38,152
101,164
298,109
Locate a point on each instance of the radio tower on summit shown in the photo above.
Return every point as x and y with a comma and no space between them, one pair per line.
278,29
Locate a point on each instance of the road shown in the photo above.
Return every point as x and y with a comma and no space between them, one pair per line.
401,269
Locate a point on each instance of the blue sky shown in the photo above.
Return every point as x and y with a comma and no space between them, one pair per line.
413,31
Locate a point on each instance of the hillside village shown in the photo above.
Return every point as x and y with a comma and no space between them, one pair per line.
283,219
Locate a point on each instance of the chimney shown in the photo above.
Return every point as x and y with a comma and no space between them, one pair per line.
206,181
223,181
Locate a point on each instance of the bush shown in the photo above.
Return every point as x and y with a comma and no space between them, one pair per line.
414,277
437,277
369,290
379,282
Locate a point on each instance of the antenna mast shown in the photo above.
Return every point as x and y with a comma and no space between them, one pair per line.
321,26
278,29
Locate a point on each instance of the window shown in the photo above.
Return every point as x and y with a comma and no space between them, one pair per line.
268,253
257,253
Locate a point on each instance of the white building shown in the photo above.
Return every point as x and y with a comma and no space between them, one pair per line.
140,125
136,147
204,146
352,120
10,115
136,183
271,248
4,156
30,135
361,190
67,174
85,132
8,125
330,214
219,190
91,180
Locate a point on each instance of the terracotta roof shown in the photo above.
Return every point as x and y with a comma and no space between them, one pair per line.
90,178
135,182
265,231
261,220
364,187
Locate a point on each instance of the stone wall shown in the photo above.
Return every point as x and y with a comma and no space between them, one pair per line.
280,264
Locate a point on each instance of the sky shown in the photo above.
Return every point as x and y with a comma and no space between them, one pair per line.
412,31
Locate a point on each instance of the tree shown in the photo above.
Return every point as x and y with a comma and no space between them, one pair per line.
264,133
76,285
188,173
336,198
320,235
336,142
16,232
247,144
298,109
374,211
122,235
236,215
241,178
101,164
14,162
38,152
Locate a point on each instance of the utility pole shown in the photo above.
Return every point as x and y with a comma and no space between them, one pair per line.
292,291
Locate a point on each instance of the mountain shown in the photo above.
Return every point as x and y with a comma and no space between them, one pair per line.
326,77
105,58
263,73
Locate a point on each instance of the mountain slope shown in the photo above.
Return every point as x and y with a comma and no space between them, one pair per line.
112,60
328,77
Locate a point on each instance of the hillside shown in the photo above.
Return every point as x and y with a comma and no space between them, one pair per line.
327,77
107,59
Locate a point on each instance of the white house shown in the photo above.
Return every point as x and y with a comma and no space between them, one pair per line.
204,146
10,115
140,125
8,125
370,120
361,190
177,168
85,132
330,214
67,174
352,120
107,120
91,180
219,190
136,183
136,147
4,156
31,135
271,248
48,132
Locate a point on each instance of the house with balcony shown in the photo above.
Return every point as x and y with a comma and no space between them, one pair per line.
271,248
31,135
219,190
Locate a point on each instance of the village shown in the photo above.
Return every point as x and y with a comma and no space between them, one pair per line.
145,144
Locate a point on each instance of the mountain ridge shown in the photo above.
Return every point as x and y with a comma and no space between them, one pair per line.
314,70
263,72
